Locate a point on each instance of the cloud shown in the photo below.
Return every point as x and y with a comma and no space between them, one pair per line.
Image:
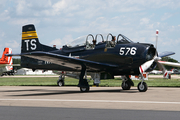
60,42
4,15
12,44
24,21
21,7
144,21
166,16
59,6
2,34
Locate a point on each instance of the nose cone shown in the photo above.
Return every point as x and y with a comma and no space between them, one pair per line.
151,52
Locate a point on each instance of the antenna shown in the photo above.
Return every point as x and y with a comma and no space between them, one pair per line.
157,32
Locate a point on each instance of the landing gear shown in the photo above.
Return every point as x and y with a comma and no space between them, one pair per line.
84,89
126,86
84,86
96,78
83,83
60,82
127,83
142,86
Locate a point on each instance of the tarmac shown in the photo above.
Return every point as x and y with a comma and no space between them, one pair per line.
102,103
155,98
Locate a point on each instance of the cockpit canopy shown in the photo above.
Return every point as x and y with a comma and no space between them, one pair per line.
90,41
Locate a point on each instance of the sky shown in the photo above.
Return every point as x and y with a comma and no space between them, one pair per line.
61,21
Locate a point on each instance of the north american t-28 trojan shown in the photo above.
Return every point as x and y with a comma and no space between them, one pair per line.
121,56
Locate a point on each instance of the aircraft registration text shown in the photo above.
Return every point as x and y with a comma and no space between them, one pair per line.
127,50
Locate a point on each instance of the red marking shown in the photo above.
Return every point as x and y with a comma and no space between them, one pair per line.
165,74
144,75
4,59
157,32
141,69
136,76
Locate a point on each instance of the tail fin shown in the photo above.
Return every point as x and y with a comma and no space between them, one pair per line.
7,60
30,41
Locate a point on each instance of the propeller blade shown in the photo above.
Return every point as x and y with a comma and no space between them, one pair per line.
170,63
145,66
166,74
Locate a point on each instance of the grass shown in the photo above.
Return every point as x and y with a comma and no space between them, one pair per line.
52,81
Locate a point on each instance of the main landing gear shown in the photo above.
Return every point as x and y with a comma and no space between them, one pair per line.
60,82
83,84
127,83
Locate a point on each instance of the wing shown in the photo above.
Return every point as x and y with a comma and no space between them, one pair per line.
67,61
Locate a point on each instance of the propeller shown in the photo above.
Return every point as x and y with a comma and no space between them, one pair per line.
157,59
160,63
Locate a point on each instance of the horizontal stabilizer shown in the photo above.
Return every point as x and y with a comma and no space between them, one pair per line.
13,54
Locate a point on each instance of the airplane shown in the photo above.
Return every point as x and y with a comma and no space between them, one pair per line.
6,62
120,56
156,72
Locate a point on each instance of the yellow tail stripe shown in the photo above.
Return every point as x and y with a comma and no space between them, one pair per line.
29,35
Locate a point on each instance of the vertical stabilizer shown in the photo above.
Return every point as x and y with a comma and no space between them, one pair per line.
7,60
30,41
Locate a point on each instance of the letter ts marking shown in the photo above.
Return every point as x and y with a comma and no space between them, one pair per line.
33,45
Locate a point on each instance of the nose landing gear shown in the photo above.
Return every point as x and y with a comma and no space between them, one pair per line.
142,86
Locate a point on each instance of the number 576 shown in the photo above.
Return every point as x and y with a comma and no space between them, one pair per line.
127,50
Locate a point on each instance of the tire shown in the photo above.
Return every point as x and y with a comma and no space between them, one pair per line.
142,87
60,83
126,86
84,89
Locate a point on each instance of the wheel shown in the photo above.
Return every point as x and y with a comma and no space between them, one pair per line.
84,89
142,87
126,85
60,83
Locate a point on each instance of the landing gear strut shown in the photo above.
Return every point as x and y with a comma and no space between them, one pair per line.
83,84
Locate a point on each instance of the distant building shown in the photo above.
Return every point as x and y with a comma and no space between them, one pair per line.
26,71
